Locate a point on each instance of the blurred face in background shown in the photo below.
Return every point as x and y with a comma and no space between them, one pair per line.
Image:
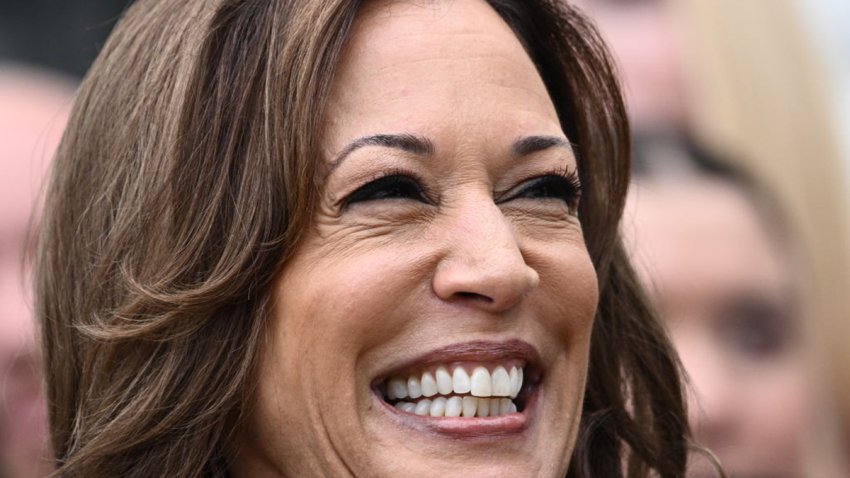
724,285
31,120
645,42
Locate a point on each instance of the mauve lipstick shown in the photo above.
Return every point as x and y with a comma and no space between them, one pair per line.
474,351
513,425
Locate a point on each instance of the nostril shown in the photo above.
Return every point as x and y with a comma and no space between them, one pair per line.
474,296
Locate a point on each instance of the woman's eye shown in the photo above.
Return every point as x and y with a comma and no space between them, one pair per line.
756,328
395,186
552,186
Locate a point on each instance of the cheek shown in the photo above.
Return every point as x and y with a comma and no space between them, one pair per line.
332,309
778,407
568,292
355,301
327,312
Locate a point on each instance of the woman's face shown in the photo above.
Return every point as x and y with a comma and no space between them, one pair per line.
724,287
444,262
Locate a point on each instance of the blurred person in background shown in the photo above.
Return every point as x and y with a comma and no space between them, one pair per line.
645,39
34,109
746,79
62,37
719,266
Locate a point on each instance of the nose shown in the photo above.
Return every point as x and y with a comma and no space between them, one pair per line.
483,264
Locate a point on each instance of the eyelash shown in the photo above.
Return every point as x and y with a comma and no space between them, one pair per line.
386,184
563,184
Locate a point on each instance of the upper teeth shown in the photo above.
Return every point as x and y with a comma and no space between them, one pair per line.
479,383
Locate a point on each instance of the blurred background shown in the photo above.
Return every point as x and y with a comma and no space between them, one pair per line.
737,221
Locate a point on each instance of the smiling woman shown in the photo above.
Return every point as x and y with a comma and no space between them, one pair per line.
338,238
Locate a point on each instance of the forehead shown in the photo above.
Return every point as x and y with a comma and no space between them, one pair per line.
428,65
699,237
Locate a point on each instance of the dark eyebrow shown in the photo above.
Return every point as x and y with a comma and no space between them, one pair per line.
422,146
532,144
418,145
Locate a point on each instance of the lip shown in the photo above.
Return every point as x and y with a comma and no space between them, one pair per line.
485,429
474,351
475,429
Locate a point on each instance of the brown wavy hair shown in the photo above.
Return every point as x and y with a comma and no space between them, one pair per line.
186,176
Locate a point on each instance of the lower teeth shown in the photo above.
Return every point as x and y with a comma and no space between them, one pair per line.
455,406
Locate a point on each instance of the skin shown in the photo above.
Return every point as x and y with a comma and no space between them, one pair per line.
724,286
646,43
381,282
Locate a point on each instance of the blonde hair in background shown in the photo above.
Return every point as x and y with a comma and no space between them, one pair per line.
757,92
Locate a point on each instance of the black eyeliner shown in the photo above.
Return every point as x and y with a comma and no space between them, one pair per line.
385,179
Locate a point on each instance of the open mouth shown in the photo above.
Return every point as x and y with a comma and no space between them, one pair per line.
470,381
